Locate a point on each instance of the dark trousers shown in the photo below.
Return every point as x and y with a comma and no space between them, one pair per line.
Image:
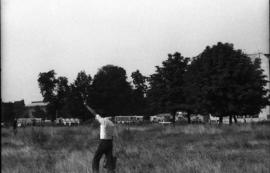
105,147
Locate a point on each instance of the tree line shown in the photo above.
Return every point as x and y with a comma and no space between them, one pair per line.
220,81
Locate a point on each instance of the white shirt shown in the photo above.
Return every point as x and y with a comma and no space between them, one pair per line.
106,127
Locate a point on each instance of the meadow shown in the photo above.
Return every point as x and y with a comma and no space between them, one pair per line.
151,148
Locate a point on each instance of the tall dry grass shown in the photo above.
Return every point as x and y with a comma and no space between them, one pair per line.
140,149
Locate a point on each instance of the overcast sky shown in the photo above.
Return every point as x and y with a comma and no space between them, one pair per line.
73,35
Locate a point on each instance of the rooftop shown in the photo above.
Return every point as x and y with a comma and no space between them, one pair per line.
37,103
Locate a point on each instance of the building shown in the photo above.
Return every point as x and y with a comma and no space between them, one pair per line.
128,119
161,117
10,110
265,113
36,109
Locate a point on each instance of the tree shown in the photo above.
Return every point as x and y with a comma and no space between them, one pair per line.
165,92
111,91
62,92
47,84
256,96
139,103
225,82
82,84
139,82
54,91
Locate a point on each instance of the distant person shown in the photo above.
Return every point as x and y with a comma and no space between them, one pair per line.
15,125
105,144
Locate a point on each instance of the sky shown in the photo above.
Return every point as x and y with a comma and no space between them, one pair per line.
69,36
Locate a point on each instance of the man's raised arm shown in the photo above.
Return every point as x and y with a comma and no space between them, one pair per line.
87,107
97,116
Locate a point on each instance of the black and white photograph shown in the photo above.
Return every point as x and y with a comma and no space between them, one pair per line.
135,86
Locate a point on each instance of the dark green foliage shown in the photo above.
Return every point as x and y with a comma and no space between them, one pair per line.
47,84
62,91
165,93
139,103
83,82
74,103
139,81
111,91
54,91
224,82
221,81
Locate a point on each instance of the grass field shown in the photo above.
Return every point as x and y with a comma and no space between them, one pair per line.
140,149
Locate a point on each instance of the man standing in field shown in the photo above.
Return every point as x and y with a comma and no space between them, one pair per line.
105,144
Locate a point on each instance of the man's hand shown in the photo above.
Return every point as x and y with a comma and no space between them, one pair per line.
83,98
84,102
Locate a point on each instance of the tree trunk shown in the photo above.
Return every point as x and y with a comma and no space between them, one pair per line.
230,120
220,120
188,116
173,119
235,119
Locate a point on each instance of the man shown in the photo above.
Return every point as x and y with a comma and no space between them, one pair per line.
106,142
